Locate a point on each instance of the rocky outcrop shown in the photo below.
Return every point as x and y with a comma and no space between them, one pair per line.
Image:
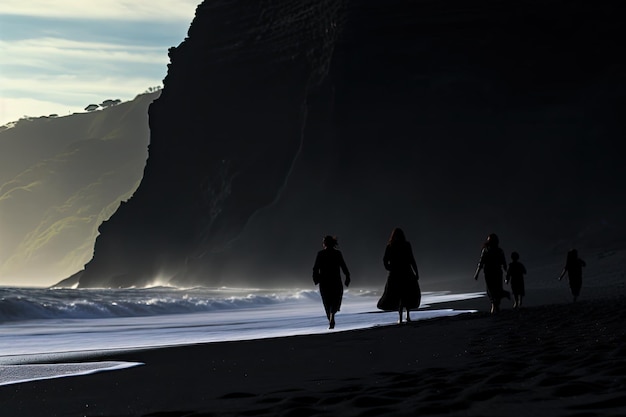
280,122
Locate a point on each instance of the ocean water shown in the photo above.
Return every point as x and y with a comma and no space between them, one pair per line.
50,325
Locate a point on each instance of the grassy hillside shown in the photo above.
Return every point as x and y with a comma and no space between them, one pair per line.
59,179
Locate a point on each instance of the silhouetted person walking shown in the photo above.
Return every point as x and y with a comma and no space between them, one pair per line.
402,291
515,275
574,268
326,272
492,261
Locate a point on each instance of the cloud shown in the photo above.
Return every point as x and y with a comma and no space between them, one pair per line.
153,10
76,74
60,66
70,55
58,57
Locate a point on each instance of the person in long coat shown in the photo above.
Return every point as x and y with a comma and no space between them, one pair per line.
492,261
574,268
402,291
327,273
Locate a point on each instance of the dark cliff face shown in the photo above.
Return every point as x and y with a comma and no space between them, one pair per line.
279,124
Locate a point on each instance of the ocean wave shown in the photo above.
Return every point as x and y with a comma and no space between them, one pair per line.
19,304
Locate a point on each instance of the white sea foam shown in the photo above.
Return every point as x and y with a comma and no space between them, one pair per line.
15,374
19,304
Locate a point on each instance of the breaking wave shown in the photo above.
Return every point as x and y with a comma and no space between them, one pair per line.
17,304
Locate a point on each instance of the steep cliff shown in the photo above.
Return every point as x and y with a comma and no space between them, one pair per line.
280,122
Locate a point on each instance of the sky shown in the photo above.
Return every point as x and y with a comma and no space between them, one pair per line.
57,57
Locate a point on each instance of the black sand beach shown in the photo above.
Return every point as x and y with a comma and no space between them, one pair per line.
560,359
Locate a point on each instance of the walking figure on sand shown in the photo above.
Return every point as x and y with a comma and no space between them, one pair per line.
515,276
402,291
492,261
574,268
327,273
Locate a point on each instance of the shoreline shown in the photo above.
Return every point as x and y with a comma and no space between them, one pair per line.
552,359
89,356
68,338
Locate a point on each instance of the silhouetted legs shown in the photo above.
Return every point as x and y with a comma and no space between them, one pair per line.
408,314
331,321
331,318
495,292
517,303
575,284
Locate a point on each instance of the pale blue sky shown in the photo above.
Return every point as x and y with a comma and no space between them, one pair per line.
58,56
